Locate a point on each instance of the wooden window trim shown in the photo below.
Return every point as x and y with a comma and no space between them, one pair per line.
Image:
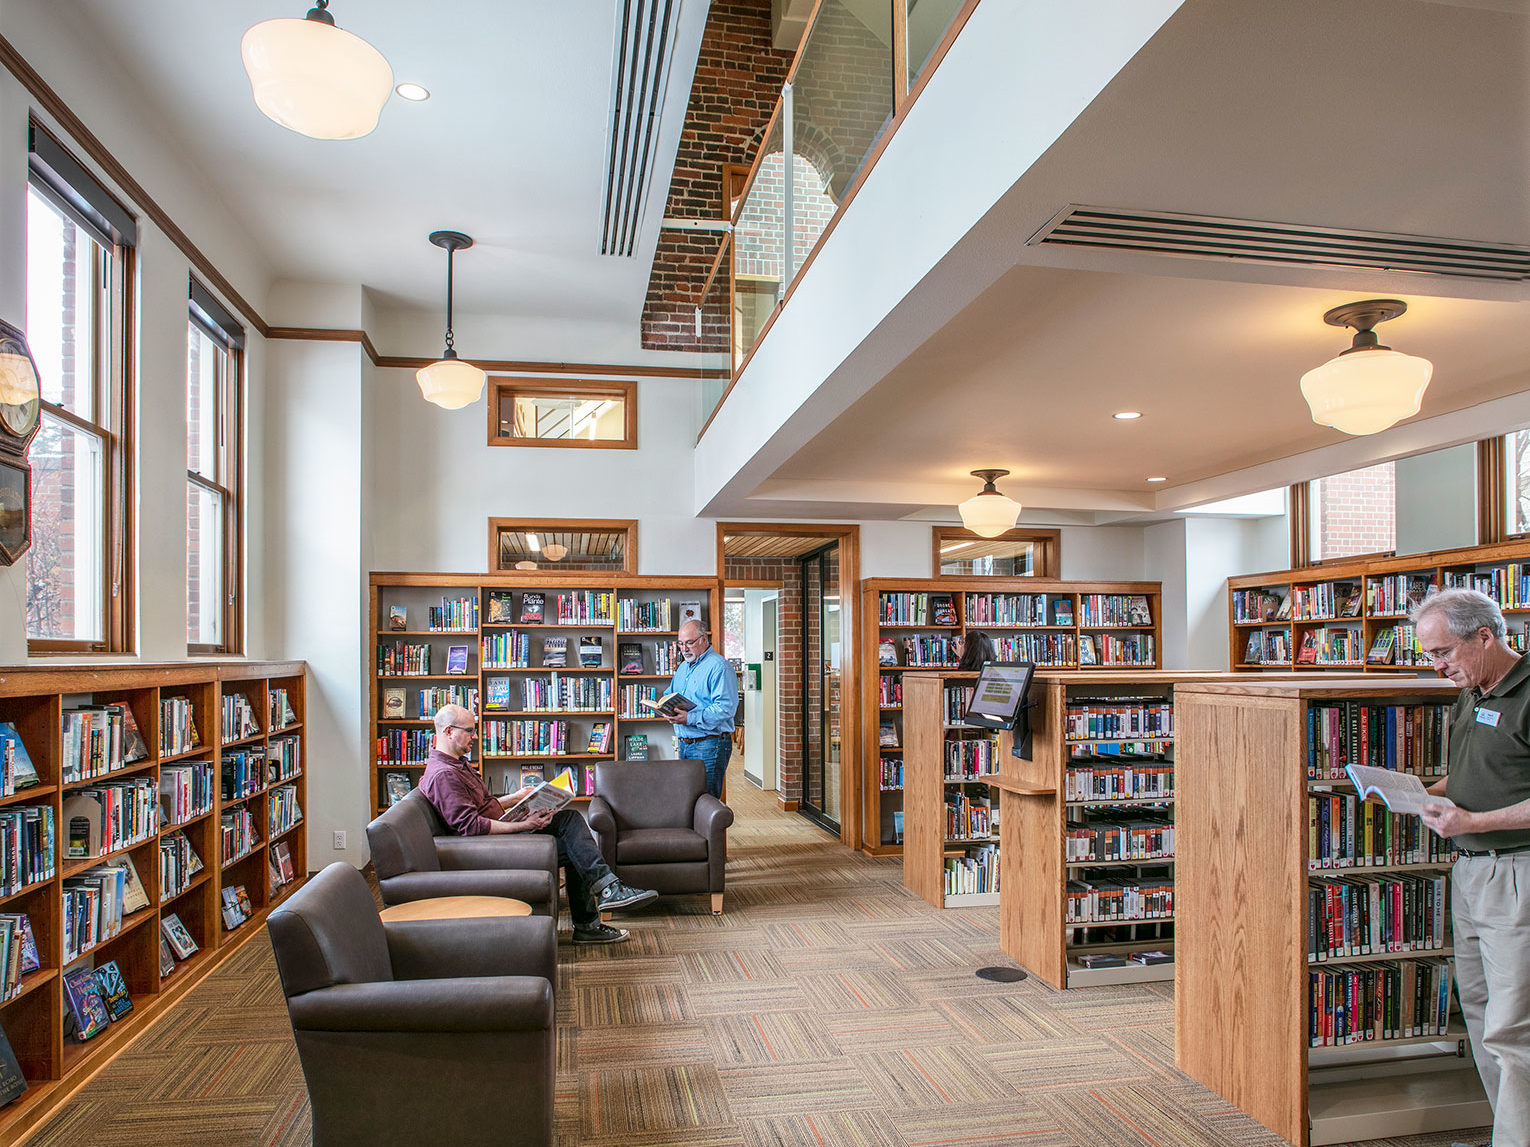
623,389
230,468
626,526
1048,549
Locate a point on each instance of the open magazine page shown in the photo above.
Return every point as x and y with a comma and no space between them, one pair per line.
549,795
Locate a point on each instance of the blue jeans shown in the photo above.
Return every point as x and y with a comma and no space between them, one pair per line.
583,867
713,752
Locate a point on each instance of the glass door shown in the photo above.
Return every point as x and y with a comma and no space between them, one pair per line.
821,645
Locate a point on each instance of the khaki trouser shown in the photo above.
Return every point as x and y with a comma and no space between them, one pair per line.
1490,909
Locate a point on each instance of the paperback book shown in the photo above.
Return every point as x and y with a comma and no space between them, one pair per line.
942,609
631,655
496,696
457,659
636,748
1382,649
398,617
397,786
600,737
532,605
393,704
689,611
554,652
668,705
12,1082
591,651
181,942
1400,792
86,1007
501,607
887,651
548,796
887,734
19,772
114,990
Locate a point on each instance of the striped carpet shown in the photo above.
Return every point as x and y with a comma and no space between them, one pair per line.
827,1006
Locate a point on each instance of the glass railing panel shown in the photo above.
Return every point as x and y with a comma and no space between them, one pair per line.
759,247
842,104
928,21
714,333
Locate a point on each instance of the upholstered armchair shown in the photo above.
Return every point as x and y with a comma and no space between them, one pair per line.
417,858
658,827
412,1031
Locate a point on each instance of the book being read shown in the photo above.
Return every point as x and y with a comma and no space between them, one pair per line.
1400,792
668,705
549,795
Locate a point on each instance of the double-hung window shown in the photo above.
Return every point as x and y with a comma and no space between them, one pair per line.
214,344
79,267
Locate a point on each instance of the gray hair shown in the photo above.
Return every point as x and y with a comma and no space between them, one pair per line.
1465,612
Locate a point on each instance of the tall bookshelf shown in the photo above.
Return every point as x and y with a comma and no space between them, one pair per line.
915,622
44,705
1340,610
534,718
950,850
1257,853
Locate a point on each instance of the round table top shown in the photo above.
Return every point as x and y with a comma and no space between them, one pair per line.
456,908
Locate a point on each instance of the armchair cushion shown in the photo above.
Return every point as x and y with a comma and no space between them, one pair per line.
519,850
479,1004
400,839
329,933
659,845
481,946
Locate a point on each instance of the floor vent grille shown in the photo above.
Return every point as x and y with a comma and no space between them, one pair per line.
641,54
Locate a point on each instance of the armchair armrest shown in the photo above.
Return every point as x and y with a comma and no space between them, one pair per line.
535,887
600,816
484,946
520,850
711,816
491,1004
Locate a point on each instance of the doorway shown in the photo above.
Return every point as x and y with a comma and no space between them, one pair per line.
819,670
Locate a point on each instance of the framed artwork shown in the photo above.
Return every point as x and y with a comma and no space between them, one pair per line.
15,516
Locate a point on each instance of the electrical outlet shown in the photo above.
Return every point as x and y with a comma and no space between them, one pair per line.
339,839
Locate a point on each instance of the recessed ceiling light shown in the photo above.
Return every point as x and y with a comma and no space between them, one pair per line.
1157,479
1127,415
412,92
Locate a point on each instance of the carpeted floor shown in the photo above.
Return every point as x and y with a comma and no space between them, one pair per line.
827,1006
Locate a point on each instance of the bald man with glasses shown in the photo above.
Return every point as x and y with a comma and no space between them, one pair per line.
1488,818
709,683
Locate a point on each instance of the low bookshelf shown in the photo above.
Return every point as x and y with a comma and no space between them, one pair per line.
1352,616
554,664
191,777
911,629
1263,935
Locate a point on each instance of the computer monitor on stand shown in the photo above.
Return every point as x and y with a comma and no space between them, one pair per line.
999,702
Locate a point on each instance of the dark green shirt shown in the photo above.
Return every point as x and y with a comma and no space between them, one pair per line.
1490,763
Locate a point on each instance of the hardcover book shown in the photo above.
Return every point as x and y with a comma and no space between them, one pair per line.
668,705
181,942
501,607
457,659
283,859
636,748
554,652
887,651
496,696
1382,649
600,737
393,705
942,609
114,990
887,734
232,915
1137,612
15,759
1307,654
631,654
398,617
1283,610
531,608
86,1006
133,746
689,611
30,960
166,957
1062,613
133,895
398,787
1102,960
1151,957
12,1082
591,651
1087,654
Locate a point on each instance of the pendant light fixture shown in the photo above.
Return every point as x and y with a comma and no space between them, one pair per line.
1368,387
449,382
989,513
314,78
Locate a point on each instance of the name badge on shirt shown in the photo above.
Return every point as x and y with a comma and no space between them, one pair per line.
1488,717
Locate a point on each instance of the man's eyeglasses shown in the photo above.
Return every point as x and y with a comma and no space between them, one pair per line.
463,728
1437,655
692,642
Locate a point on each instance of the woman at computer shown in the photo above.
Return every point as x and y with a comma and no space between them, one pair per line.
973,650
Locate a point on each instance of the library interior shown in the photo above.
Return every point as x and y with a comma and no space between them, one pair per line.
964,493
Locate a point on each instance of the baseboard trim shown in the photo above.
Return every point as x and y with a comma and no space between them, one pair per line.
786,805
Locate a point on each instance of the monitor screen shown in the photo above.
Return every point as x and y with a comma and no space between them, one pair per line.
999,694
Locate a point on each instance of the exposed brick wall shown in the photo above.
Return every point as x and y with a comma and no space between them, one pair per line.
788,661
738,82
1357,512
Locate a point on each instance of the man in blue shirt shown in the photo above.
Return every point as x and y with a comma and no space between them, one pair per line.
707,681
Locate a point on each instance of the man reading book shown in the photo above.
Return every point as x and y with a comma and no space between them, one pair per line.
467,806
1462,632
709,683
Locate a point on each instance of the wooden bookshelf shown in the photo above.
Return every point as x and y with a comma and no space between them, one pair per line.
1041,620
603,693
1378,593
1244,842
36,700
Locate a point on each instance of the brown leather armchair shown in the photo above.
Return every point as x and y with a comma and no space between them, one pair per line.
416,857
412,1030
658,827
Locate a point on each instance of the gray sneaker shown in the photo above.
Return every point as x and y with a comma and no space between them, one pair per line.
618,895
598,933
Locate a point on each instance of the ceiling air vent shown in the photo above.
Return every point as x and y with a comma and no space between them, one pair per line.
1207,237
645,41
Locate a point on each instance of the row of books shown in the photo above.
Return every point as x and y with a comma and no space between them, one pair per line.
243,773
279,711
916,609
178,864
1325,600
282,810
580,606
1102,781
1037,648
95,902
401,659
403,747
970,816
1366,916
890,693
284,759
1103,900
453,615
525,738
1260,605
27,847
97,998
1365,1002
1121,959
976,872
238,718
1268,647
969,759
1397,645
1125,609
655,616
1119,840
1018,609
1508,585
1136,651
111,816
178,731
921,650
1346,832
98,739
1118,718
18,952
632,697
1330,646
892,775
509,650
185,791
1396,595
238,835
581,780
434,697
555,692
957,698
1409,738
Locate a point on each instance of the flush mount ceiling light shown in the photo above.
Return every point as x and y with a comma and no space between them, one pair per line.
1127,415
314,78
553,552
1368,387
449,382
989,513
415,93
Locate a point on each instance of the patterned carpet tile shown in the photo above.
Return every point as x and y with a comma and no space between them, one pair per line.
739,934
928,1076
810,961
682,1137
1014,1121
729,966
757,1092
891,1030
745,998
851,1128
771,1037
939,953
595,973
634,1100
1061,1064
1146,1113
1005,1019
223,1119
807,933
632,1003
652,1045
868,989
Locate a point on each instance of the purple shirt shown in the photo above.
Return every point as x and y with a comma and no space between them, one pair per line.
459,794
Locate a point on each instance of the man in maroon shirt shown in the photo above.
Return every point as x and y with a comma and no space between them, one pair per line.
467,806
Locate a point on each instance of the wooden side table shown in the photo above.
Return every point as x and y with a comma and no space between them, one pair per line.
455,908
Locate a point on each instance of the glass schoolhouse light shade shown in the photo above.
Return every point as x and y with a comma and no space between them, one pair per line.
451,383
989,513
1368,387
314,78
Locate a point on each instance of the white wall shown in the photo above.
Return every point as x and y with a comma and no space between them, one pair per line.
1437,500
1165,562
